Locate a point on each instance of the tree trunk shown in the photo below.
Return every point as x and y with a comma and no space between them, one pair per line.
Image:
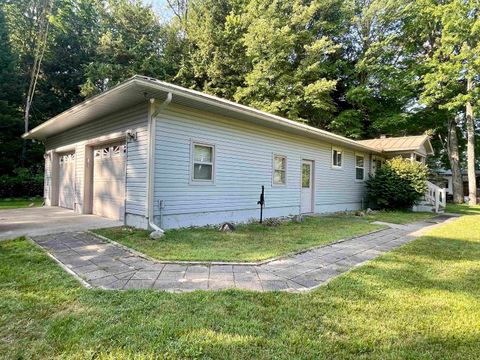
472,183
454,157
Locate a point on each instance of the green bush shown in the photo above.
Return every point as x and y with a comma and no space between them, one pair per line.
399,184
23,183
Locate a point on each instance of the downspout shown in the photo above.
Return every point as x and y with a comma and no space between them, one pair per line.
152,113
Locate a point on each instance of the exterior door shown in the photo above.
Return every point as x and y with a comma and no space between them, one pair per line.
306,205
66,180
109,181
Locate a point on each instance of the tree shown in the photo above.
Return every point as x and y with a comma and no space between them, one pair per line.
131,43
10,104
214,55
293,51
454,68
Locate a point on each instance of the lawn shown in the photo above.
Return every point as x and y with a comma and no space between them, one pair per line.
463,209
249,242
399,217
420,301
252,242
20,203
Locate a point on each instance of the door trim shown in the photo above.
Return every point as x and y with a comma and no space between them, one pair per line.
312,185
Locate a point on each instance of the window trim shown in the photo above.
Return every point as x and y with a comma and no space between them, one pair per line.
337,149
273,170
192,162
357,167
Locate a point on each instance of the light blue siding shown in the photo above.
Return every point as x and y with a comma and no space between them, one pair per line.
136,168
244,154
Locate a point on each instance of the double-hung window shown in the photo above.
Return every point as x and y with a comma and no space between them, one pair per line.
203,161
359,167
337,158
279,170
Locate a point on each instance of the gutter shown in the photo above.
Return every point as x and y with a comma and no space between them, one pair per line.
152,114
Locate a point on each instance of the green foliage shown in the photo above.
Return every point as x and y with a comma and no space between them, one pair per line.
399,184
22,183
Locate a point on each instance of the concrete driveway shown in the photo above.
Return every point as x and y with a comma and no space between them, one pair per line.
47,220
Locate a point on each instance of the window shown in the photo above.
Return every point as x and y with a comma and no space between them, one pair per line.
419,158
306,175
337,158
359,167
279,170
203,159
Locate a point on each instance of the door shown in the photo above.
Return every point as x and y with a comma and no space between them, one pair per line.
109,181
66,180
306,205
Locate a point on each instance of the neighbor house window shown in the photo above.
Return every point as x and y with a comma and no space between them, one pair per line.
359,167
203,161
337,158
279,170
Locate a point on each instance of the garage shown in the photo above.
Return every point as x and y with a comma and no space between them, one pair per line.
108,193
66,180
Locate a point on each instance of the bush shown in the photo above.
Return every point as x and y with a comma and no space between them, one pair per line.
23,183
399,184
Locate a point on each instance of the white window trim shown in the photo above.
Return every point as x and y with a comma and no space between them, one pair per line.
357,167
273,170
336,167
192,163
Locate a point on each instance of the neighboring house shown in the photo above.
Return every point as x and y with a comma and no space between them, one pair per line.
447,176
154,154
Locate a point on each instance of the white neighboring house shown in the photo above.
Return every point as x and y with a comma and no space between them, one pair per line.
158,155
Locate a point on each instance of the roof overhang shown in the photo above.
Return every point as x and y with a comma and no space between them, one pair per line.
139,89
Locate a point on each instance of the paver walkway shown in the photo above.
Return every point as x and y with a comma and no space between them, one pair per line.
101,264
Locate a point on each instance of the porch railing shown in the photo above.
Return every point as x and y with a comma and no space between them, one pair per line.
436,196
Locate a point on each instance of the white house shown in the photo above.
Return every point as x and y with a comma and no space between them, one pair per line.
158,155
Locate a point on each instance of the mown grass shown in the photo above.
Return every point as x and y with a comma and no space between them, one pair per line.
421,301
463,209
249,242
15,203
253,242
399,217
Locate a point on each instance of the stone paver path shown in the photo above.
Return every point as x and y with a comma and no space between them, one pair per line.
101,264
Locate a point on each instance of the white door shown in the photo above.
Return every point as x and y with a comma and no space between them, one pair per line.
306,205
109,181
66,180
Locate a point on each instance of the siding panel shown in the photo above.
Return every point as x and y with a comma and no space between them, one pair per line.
136,168
243,163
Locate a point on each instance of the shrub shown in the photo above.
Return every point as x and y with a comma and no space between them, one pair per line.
399,184
23,183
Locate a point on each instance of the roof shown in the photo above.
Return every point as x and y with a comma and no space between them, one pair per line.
139,89
399,144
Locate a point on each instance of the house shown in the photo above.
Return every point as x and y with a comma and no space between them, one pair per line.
156,155
446,175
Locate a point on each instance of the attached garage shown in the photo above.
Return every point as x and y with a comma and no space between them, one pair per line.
66,180
108,190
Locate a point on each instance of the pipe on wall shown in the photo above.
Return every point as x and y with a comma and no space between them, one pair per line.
157,231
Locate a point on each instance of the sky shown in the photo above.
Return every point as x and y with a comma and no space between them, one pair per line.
161,8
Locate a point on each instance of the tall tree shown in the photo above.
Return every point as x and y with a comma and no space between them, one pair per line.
10,103
454,68
293,50
131,43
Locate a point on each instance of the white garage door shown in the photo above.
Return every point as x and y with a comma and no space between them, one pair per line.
109,181
66,180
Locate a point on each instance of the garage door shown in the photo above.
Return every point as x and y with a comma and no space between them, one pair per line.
66,180
109,181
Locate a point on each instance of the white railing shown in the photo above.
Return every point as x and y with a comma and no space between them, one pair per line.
436,196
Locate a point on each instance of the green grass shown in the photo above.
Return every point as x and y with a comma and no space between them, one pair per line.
252,242
19,203
463,209
419,302
399,217
249,242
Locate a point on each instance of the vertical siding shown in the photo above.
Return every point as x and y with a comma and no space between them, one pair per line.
47,179
136,168
243,164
